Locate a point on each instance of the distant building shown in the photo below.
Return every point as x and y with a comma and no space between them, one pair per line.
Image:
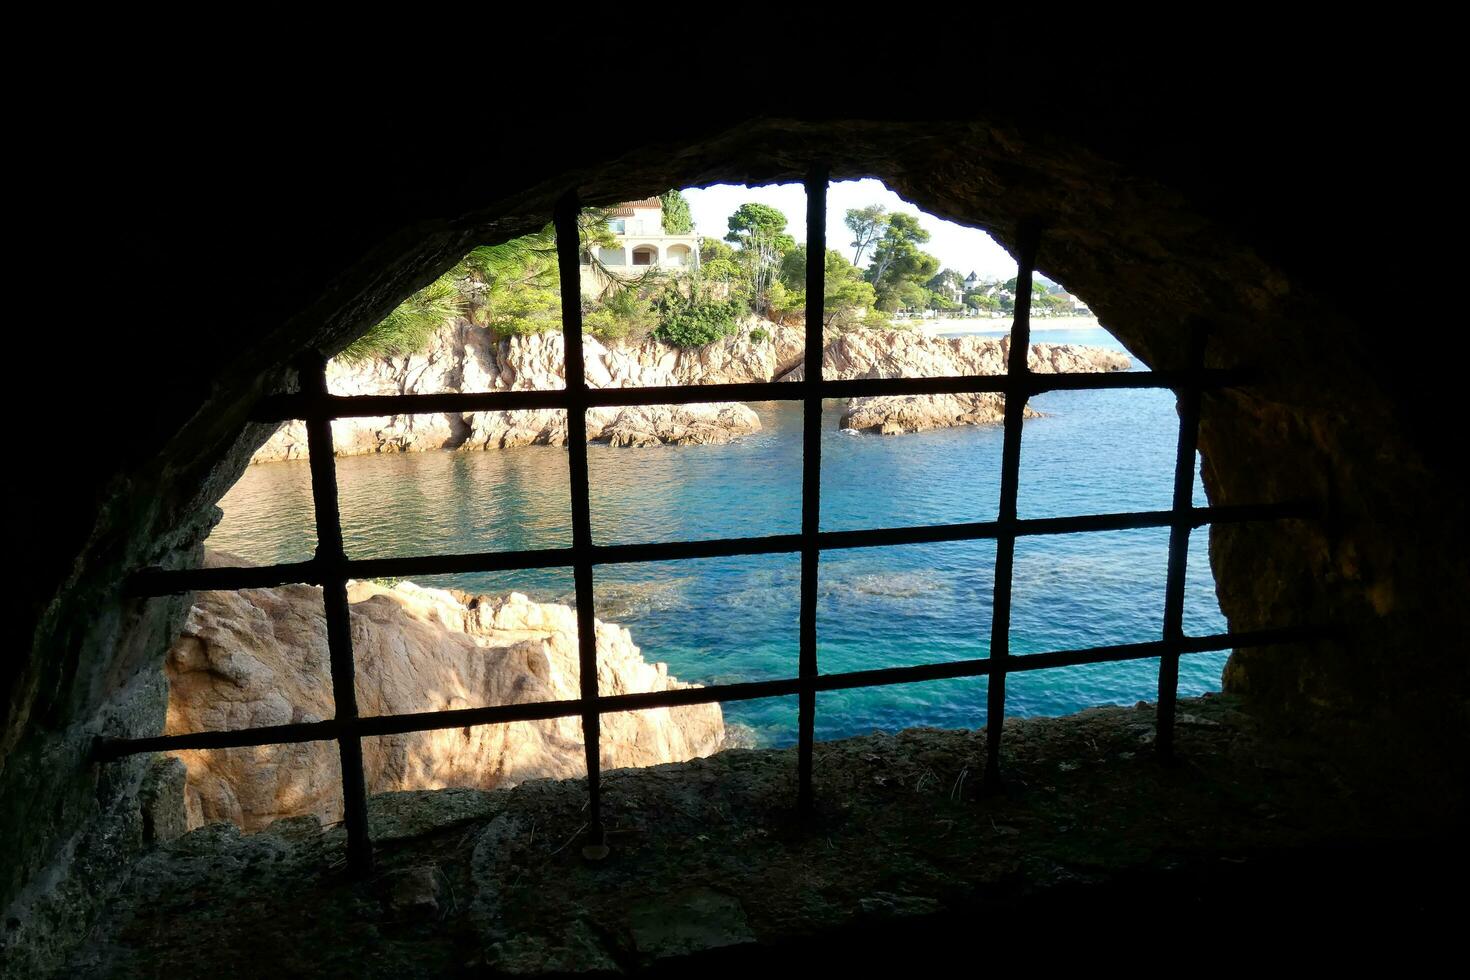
1076,305
972,282
641,245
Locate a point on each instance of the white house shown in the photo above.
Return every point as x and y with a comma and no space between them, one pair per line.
642,244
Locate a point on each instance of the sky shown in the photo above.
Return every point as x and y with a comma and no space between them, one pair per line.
956,246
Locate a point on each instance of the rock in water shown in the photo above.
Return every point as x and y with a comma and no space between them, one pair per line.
259,657
901,355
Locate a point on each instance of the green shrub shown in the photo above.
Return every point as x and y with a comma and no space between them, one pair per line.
690,324
523,311
760,335
602,325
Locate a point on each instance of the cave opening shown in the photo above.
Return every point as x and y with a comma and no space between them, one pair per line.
430,723
709,620
1281,439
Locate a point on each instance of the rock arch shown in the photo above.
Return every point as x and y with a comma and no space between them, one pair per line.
1155,225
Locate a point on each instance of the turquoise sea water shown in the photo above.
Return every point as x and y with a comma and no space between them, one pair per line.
720,620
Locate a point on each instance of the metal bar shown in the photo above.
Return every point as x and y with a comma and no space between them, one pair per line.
1027,241
281,408
568,249
331,561
176,581
1189,407
157,582
811,479
376,726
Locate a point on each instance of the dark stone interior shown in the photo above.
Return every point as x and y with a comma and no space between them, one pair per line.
1161,204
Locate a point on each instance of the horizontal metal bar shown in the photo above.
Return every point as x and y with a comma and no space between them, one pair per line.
1031,384
281,408
175,581
172,582
627,554
109,749
1205,379
479,561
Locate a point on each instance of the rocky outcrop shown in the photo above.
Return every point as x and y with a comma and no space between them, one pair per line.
895,414
465,358
901,354
259,657
908,354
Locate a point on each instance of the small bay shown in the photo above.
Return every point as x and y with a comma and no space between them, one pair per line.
720,620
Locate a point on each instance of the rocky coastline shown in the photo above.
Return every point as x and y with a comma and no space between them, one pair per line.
259,657
466,358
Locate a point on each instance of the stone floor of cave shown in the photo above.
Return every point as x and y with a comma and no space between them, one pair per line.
709,864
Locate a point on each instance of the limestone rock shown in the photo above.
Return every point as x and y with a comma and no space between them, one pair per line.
259,657
466,358
463,357
901,354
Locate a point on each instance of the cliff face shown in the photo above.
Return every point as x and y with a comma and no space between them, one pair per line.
465,358
902,354
259,657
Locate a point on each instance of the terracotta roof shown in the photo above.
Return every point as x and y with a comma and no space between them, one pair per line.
626,210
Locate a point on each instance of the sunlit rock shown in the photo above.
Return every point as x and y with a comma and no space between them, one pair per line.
259,657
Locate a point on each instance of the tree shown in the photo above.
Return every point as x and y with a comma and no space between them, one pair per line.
712,249
898,263
867,226
1038,288
511,288
846,296
759,231
977,300
677,220
903,295
411,325
947,281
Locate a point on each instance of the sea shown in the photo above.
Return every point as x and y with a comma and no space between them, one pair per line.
736,619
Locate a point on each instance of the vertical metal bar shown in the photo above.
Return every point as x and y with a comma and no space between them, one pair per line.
811,477
568,259
332,557
1028,237
1189,407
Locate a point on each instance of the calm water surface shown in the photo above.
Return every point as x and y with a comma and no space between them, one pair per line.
732,619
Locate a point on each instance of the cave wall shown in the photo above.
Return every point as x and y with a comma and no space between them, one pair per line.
1159,206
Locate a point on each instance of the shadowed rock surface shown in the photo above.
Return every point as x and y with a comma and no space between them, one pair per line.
259,657
1093,845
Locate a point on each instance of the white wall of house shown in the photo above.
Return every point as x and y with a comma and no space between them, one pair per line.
641,245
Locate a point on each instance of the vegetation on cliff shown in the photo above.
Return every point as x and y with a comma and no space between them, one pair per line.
513,289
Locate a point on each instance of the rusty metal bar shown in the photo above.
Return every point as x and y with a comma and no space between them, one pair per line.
380,725
284,407
1027,241
568,256
331,560
1189,408
177,581
811,479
